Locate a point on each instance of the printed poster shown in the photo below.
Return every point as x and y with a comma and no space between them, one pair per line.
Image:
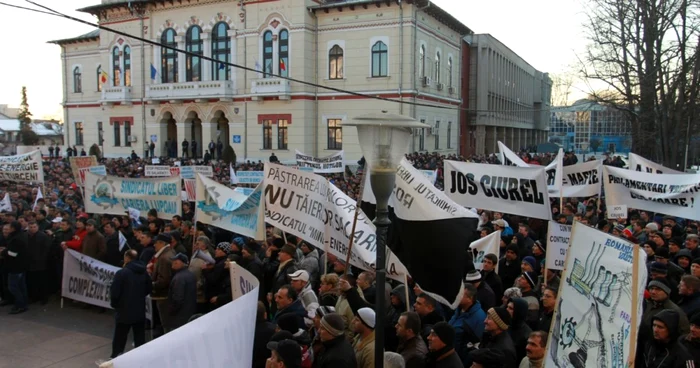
24,168
334,163
558,237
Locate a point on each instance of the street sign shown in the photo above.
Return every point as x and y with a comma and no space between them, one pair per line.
236,139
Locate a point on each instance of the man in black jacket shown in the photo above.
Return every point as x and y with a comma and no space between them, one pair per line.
38,247
16,260
664,350
128,293
114,254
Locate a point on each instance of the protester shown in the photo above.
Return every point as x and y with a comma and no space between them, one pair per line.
182,294
441,346
16,260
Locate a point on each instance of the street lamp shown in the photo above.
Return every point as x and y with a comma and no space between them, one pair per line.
384,140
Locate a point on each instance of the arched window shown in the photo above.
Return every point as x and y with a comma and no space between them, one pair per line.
77,80
168,57
421,61
220,50
116,68
335,63
437,67
283,53
127,66
449,134
380,65
267,53
98,72
449,74
193,64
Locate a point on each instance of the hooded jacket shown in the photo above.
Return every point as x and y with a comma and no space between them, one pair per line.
652,310
469,328
129,289
671,354
690,304
519,331
309,263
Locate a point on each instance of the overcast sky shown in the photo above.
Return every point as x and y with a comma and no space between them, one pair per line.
546,33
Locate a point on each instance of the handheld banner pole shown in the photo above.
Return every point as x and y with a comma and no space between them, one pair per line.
635,301
405,283
354,223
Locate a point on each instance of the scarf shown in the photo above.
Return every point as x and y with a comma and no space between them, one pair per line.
434,356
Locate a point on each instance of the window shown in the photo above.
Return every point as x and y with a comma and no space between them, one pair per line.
421,137
335,134
449,74
117,134
436,133
221,50
98,72
78,134
168,57
437,68
335,63
449,134
116,70
100,133
267,54
421,61
282,133
284,52
267,134
379,60
193,64
77,80
127,133
127,66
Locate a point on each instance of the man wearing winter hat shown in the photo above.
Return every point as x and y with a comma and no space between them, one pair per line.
337,352
363,327
526,283
160,268
287,266
484,293
529,264
300,283
441,349
664,349
674,272
691,341
695,267
495,336
659,291
509,265
285,354
94,243
691,243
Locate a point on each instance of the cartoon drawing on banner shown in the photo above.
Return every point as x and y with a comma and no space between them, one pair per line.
585,335
104,193
210,206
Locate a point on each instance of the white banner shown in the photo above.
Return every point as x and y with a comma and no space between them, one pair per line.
250,177
676,195
308,206
86,279
228,209
490,244
516,190
224,337
430,174
329,164
554,170
24,168
580,180
188,172
113,195
81,162
638,163
593,323
558,236
97,170
157,171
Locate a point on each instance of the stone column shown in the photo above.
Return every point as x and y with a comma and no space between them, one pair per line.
206,64
181,60
184,131
208,134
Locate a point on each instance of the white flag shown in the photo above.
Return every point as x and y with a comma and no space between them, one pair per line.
122,241
489,244
38,196
234,179
5,204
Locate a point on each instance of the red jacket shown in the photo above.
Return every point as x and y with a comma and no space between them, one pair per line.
77,244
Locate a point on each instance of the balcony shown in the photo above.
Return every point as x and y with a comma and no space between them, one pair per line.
121,94
223,90
277,87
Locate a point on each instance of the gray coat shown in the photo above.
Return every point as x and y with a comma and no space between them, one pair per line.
182,297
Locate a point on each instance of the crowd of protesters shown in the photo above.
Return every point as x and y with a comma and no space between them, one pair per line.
313,310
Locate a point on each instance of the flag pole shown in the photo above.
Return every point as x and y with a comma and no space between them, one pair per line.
635,301
405,282
354,223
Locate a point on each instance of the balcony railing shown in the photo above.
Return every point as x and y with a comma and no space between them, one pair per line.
271,87
116,94
191,90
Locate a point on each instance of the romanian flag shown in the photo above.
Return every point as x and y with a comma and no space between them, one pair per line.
103,77
283,66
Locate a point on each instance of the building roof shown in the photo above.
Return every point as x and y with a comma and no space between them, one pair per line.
9,125
432,10
90,36
110,4
41,128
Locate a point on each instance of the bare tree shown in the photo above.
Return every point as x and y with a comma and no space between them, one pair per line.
562,88
647,53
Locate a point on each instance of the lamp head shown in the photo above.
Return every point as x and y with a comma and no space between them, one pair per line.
384,138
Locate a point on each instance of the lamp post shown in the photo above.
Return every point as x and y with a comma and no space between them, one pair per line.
384,140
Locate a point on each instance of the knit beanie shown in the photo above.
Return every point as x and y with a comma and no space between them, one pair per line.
333,323
514,248
531,261
658,267
661,284
530,277
696,261
542,247
695,320
445,332
501,316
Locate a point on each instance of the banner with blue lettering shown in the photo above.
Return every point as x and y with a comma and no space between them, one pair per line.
229,209
250,177
516,190
114,195
593,323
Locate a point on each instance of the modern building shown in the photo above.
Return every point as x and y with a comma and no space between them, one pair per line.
587,126
357,57
507,99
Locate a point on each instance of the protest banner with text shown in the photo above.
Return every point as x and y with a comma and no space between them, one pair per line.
24,168
77,163
490,244
330,164
97,170
113,195
157,171
599,307
250,177
554,170
639,163
517,190
190,172
580,180
225,208
558,236
224,337
675,195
